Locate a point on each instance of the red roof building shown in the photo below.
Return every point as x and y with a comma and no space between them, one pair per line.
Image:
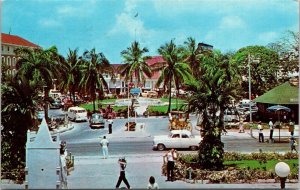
8,44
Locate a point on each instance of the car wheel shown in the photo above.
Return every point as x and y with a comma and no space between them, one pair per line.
194,147
161,147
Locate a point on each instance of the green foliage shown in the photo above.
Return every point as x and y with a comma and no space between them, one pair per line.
263,72
211,152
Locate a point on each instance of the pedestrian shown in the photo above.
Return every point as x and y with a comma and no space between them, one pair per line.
104,144
152,184
122,162
293,144
241,127
271,126
110,122
260,132
171,157
291,128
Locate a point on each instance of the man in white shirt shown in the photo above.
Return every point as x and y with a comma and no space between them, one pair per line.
271,126
110,122
104,144
260,132
171,157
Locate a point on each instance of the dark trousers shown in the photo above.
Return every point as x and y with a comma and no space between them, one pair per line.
271,134
170,170
122,177
261,137
109,128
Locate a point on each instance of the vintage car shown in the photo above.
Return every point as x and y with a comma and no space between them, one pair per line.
97,121
177,139
77,114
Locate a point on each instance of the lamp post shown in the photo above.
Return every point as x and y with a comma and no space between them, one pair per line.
249,81
282,169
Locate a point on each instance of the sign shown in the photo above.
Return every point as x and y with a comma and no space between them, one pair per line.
135,91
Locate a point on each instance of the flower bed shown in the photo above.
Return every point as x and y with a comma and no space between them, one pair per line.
232,173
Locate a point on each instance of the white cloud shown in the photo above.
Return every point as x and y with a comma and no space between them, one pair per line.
79,8
45,22
66,10
232,22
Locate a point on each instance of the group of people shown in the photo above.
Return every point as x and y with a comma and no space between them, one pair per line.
293,142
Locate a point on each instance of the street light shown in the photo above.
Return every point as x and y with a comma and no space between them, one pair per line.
282,169
250,59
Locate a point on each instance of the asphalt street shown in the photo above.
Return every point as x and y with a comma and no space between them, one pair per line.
84,141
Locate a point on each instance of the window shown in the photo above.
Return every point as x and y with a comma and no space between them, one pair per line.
8,61
2,48
8,48
3,60
176,136
185,136
14,61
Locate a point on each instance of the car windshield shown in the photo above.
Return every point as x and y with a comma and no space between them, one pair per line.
97,116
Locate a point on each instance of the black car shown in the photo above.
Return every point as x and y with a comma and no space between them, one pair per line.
97,121
255,116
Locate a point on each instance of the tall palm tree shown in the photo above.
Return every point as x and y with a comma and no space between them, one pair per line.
39,65
93,68
135,65
72,75
211,93
192,54
173,70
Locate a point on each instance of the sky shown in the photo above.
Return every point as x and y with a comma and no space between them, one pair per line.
110,26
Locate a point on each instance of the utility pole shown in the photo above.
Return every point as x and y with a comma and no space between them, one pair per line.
249,78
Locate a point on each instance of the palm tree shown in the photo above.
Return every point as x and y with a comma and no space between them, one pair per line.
211,93
93,68
173,70
18,114
135,65
72,75
192,54
39,65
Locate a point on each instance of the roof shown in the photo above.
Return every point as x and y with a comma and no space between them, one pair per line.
282,94
16,40
150,61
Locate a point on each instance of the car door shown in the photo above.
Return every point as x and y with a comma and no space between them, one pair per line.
185,141
174,141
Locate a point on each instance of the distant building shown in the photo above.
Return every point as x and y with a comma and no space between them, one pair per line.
204,47
8,44
120,86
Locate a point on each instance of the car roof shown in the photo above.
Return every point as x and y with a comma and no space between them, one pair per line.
184,131
76,108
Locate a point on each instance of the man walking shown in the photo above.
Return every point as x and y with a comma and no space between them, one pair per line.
104,144
260,132
122,176
271,126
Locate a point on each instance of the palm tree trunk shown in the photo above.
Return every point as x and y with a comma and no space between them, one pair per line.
170,96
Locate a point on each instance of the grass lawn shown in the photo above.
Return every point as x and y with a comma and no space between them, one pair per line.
269,166
173,100
162,109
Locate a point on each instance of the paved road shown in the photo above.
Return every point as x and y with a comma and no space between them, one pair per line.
83,141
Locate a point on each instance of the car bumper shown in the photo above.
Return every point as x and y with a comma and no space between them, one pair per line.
154,147
97,125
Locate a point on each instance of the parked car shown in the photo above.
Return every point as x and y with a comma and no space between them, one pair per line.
176,139
97,121
231,116
56,104
255,116
77,114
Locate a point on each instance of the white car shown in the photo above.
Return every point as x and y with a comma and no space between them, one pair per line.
77,114
177,139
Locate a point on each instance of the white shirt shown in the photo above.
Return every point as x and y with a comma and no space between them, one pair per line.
271,125
170,156
259,127
104,143
110,121
153,186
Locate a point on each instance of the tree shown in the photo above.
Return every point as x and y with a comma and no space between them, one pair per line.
18,112
93,67
135,65
288,50
211,93
72,75
41,66
263,72
173,70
